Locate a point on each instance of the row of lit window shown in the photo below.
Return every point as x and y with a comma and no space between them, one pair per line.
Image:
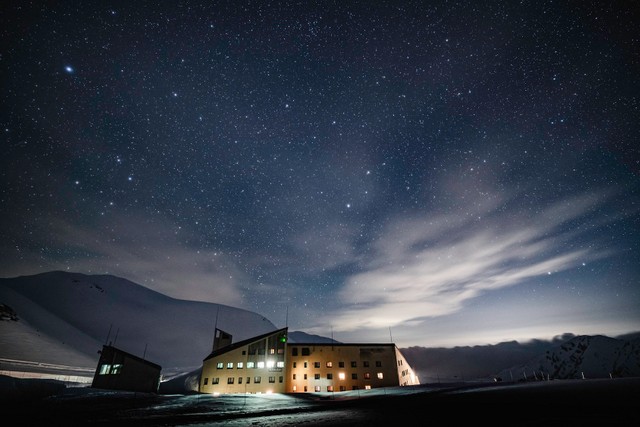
107,369
260,351
354,364
330,388
342,376
231,380
252,365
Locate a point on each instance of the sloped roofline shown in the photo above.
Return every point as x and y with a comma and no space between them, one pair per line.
132,356
242,343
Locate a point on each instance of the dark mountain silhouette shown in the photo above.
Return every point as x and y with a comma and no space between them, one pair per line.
60,320
566,356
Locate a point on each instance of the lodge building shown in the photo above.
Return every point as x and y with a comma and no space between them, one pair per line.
269,364
119,370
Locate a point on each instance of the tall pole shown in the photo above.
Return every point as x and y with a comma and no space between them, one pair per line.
215,329
109,334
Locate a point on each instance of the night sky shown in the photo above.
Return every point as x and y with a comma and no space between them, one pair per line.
433,173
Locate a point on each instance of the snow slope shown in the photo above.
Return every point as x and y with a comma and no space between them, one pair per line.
582,357
65,318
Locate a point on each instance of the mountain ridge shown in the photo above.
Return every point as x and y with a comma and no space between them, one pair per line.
95,309
64,318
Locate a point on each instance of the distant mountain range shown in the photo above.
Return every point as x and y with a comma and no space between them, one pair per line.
62,319
565,357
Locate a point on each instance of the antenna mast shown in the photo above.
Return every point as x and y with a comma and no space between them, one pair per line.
108,334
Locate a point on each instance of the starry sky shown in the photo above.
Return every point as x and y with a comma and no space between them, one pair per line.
433,173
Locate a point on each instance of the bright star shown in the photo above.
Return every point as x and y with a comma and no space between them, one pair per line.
69,69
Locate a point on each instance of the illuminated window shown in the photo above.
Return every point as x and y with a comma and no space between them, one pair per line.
280,364
272,379
317,376
380,376
257,380
104,369
115,369
251,365
329,364
317,388
270,364
260,365
230,365
220,365
367,387
316,364
281,351
329,388
240,365
341,376
230,380
272,351
295,388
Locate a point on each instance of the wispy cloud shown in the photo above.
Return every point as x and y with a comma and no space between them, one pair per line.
431,266
153,254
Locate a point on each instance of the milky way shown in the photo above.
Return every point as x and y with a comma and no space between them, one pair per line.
435,173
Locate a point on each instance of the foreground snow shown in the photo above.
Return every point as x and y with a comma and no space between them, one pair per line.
560,402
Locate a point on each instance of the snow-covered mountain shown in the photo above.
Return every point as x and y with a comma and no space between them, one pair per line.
566,356
64,319
582,357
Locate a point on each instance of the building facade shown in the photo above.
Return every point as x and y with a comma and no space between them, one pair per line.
256,365
119,370
269,364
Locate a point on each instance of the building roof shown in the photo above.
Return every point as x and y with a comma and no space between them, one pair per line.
341,344
132,356
242,343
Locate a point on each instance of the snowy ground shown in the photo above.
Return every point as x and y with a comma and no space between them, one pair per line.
546,403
